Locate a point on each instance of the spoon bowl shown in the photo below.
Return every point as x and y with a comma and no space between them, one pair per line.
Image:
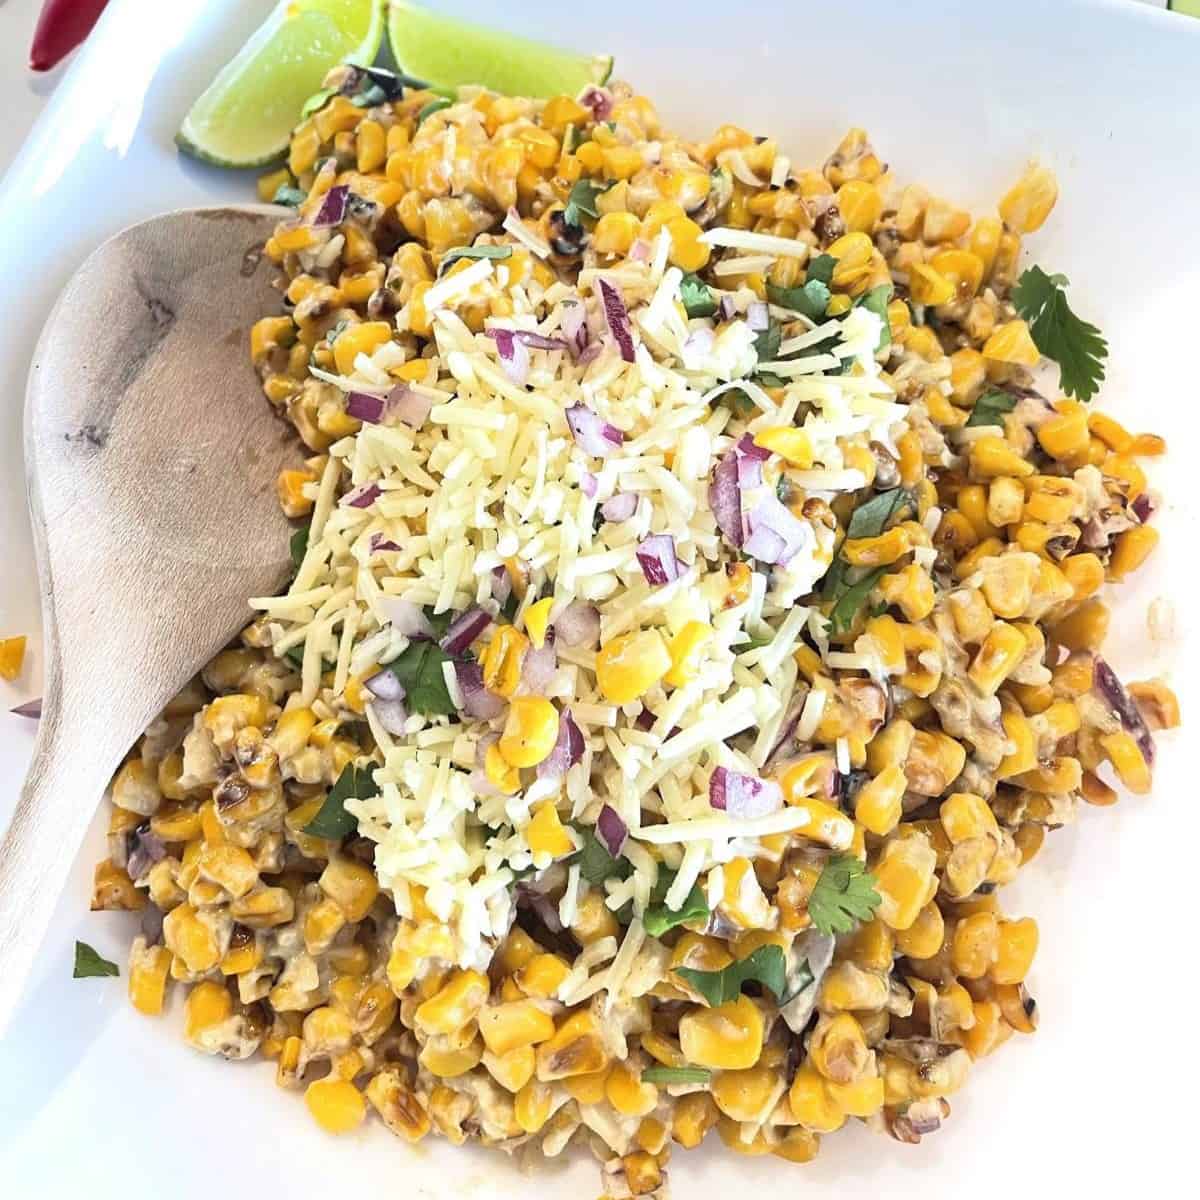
151,462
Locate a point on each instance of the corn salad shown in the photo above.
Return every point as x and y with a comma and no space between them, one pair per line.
679,658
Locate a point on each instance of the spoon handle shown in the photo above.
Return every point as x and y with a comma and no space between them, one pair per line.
48,826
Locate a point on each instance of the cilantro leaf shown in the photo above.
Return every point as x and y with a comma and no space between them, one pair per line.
877,301
676,1075
766,966
756,642
821,268
298,545
289,196
89,964
844,895
1078,347
810,300
851,598
435,105
766,344
419,669
990,408
315,101
452,256
439,622
582,201
873,516
332,820
697,297
595,863
658,918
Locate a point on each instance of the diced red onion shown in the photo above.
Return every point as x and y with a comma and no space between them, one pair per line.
749,472
747,447
1113,690
464,629
568,749
588,484
644,720
620,507
391,714
776,536
592,434
574,326
363,406
501,584
599,100
514,358
743,796
406,618
527,337
641,250
758,316
697,345
656,556
146,848
530,897
617,316
725,500
478,702
538,667
481,785
611,830
409,406
726,307
384,685
333,207
578,624
363,496
31,709
1143,507
590,353
379,543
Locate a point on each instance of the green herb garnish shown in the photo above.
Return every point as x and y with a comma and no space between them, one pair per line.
873,516
990,409
844,895
877,301
766,966
290,197
851,597
419,669
698,299
435,105
1078,347
333,821
595,863
810,299
582,200
821,268
452,256
658,918
298,545
439,622
676,1075
316,101
766,343
89,964
869,519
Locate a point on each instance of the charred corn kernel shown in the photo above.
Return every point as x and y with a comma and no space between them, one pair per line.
531,1108
1012,344
1110,431
878,804
728,1037
825,824
962,269
500,774
537,619
208,1004
628,666
1065,437
1018,941
402,1112
812,1104
923,938
1131,549
515,1023
148,966
687,251
336,1104
244,953
1156,702
1005,503
1028,202
1008,254
998,656
967,375
593,920
1023,755
542,976
512,1071
854,158
965,815
291,241
861,1097
838,1049
877,551
944,222
986,1031
327,1031
370,146
545,832
457,1002
529,732
687,652
191,939
992,456
364,338
615,233
792,445
450,1056
264,908
912,463
1017,1006
975,944
911,213
230,867
1055,777
576,1048
269,334
929,286
1030,836
502,660
905,880
351,885
693,1116
911,589
587,1089
626,1092
135,788
860,204
853,252
744,1095
1128,761
1085,574
1083,629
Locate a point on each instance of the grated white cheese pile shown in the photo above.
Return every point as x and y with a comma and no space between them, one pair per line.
494,475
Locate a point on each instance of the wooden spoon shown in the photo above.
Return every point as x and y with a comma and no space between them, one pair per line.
151,457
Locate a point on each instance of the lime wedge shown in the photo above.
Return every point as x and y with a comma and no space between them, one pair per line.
1190,7
448,53
247,113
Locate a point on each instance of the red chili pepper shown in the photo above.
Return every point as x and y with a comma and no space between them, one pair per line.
61,27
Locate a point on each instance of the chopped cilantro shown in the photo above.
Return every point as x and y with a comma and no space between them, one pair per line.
298,545
877,301
89,964
873,516
658,918
869,519
990,408
766,344
315,101
595,863
697,297
419,669
810,300
1078,347
439,622
582,201
452,256
851,598
333,821
821,268
766,966
371,95
676,1075
290,197
843,896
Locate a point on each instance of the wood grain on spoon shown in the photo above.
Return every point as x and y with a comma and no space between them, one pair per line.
151,459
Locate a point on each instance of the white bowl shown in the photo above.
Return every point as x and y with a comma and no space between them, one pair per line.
98,1101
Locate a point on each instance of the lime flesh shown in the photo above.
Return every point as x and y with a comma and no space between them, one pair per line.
448,53
246,115
1190,7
